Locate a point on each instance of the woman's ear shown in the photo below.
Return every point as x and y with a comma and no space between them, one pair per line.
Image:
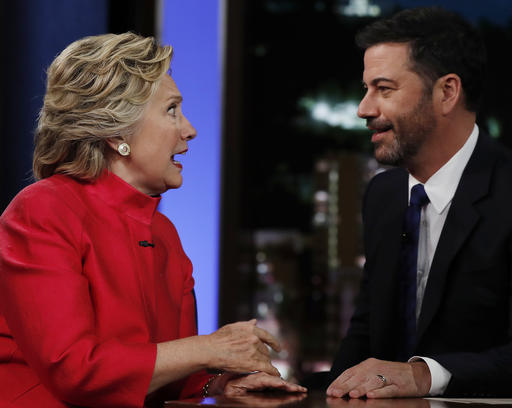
448,93
118,145
113,142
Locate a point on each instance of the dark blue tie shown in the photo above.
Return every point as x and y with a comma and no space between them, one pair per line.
410,267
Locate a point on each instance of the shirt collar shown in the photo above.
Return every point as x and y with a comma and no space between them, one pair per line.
441,186
123,197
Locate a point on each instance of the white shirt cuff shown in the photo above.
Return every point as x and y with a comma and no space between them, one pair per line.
440,376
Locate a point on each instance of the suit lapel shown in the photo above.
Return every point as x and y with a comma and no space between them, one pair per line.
460,222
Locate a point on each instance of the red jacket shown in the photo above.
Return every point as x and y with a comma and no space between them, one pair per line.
92,276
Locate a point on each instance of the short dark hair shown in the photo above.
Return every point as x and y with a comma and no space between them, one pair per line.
440,41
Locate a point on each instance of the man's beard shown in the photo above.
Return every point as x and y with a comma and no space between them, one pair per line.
411,130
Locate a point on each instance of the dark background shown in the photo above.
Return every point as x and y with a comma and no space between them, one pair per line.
290,241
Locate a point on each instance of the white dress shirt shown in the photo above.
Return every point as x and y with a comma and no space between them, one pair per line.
440,188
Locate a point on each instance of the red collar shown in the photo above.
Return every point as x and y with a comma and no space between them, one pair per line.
125,198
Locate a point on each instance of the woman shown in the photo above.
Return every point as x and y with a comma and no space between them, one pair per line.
96,293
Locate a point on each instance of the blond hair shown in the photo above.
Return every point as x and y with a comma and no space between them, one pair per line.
97,89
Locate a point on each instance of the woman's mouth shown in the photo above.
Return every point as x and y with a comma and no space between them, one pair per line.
176,162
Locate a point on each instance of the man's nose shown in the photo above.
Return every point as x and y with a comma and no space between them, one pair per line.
367,107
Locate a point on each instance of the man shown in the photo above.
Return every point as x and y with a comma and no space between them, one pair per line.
445,331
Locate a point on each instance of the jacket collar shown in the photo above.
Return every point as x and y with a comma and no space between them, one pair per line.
124,198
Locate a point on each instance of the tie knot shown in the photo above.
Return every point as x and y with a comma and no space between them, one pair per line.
418,195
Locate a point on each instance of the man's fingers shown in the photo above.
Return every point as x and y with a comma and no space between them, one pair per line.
343,385
267,338
388,391
343,377
372,383
356,386
338,390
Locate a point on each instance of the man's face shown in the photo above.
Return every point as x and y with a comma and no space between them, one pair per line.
396,106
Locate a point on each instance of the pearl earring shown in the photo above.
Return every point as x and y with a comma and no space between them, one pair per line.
124,149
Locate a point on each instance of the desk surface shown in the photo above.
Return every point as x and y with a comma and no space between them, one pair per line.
319,400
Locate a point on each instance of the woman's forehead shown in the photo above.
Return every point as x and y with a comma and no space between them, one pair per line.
167,89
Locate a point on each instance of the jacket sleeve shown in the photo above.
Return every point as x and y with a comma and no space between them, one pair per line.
193,385
485,373
47,305
355,347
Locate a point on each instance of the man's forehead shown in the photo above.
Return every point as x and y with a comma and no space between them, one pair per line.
386,60
386,53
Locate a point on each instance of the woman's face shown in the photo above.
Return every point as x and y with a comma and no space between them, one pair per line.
161,134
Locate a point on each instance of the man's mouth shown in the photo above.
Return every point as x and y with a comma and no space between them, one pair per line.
379,129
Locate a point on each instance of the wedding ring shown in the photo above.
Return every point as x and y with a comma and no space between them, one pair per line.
382,378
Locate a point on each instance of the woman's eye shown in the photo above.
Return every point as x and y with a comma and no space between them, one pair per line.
172,110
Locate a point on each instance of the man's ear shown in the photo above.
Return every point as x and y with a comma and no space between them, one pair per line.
448,93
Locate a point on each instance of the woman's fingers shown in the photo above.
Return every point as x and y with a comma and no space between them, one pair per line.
270,370
263,349
258,382
241,347
267,338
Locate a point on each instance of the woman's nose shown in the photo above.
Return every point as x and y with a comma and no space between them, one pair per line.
189,132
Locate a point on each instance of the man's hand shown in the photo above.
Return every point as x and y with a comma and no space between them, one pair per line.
382,379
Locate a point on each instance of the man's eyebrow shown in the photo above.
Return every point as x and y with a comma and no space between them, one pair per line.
378,80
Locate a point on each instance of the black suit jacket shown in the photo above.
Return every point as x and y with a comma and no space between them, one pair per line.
464,322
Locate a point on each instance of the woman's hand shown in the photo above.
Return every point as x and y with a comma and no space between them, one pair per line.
241,348
232,384
236,348
258,382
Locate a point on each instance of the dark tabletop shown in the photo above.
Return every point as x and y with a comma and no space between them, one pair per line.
319,400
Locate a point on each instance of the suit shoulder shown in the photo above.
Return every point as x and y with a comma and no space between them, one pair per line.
387,181
504,155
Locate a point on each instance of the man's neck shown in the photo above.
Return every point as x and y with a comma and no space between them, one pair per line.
441,147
